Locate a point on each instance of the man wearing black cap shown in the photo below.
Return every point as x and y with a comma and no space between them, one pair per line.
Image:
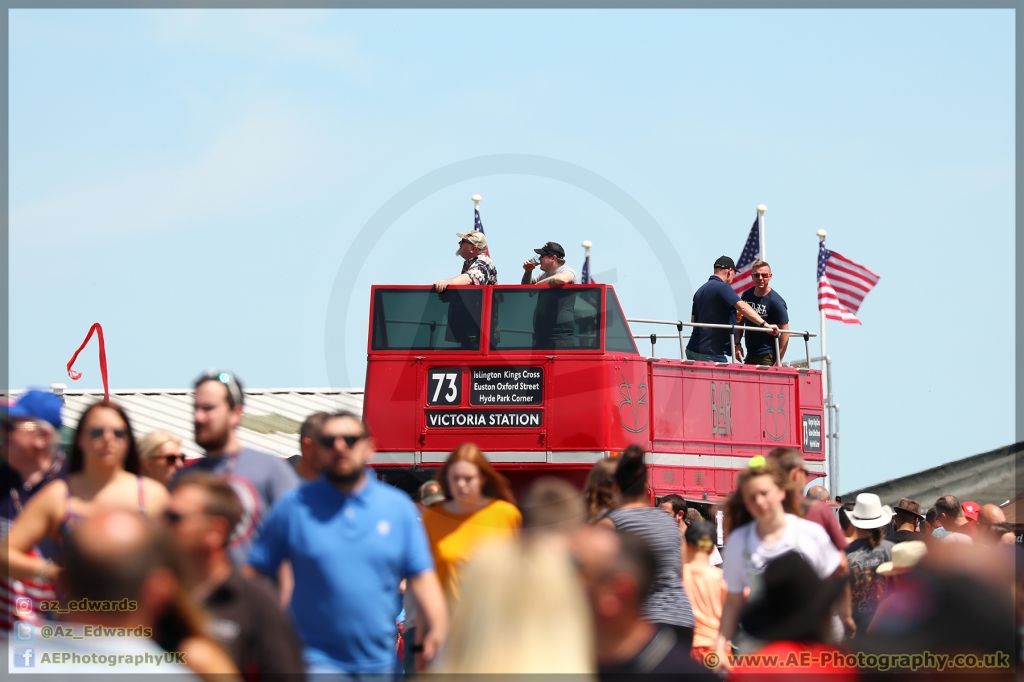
554,317
554,271
715,303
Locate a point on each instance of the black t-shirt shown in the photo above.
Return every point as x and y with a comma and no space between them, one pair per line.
245,617
904,536
773,310
665,655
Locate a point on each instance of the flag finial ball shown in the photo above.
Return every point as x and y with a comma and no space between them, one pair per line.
587,243
477,197
762,208
821,233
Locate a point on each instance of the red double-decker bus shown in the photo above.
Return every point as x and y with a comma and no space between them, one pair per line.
547,380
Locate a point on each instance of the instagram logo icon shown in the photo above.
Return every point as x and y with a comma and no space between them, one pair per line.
23,606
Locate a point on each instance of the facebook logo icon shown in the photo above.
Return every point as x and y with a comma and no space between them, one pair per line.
24,657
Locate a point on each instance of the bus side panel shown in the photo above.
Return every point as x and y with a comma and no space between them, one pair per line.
812,409
735,397
667,392
703,420
779,411
629,402
578,406
391,409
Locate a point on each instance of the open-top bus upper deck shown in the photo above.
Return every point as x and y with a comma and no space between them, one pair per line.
549,380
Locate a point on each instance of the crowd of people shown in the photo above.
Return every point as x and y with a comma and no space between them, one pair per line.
239,565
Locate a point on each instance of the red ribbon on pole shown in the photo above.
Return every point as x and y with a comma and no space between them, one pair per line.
75,376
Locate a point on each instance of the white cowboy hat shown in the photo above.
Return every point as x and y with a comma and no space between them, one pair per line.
869,513
905,556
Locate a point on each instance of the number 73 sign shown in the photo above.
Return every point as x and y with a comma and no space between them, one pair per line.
444,386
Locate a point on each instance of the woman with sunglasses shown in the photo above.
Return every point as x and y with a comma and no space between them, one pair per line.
160,456
480,508
103,473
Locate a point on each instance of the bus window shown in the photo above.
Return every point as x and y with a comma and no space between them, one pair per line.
405,319
617,337
550,318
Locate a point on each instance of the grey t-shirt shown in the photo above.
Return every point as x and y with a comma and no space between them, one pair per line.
564,268
867,588
259,479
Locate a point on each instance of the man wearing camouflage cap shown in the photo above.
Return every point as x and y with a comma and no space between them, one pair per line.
478,267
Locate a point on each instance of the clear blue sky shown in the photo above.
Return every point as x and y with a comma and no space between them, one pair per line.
193,179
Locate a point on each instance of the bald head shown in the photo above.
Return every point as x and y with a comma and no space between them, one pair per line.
819,493
607,557
991,514
110,555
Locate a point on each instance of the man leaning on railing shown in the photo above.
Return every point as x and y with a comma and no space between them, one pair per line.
715,303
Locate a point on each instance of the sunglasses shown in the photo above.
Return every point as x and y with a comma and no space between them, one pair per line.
762,275
171,459
25,425
98,432
226,378
174,518
328,441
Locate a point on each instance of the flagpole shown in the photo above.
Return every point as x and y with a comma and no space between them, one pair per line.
587,275
761,208
821,238
826,427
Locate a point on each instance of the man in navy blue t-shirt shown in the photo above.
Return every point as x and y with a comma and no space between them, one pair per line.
715,302
769,305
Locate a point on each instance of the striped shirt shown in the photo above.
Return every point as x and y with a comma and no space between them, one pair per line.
667,604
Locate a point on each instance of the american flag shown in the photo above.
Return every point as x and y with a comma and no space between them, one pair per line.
585,277
842,285
751,250
479,226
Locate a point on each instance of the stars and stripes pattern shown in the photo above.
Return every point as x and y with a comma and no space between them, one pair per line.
842,285
585,275
479,226
744,266
11,591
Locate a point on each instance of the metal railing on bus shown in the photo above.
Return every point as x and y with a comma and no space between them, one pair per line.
679,324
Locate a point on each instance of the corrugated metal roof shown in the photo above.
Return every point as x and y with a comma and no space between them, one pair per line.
270,422
986,478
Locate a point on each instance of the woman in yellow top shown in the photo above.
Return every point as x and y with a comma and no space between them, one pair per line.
479,508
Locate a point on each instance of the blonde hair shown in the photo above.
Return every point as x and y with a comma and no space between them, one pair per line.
151,443
523,610
736,512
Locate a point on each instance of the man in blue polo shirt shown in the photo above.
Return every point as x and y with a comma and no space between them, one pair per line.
715,302
351,540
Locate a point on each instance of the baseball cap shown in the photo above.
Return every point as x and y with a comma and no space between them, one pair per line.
552,249
41,405
971,510
724,263
476,238
431,493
